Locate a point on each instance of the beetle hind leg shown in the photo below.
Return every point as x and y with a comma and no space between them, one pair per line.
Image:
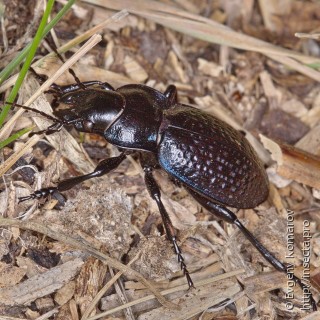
155,194
225,214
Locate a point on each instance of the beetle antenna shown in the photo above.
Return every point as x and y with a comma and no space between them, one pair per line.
71,71
48,116
55,127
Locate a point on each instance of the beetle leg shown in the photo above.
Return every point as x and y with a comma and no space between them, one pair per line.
55,88
40,77
103,85
56,127
225,214
79,85
60,90
155,194
171,95
102,168
84,85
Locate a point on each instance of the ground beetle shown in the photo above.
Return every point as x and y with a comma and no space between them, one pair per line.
213,161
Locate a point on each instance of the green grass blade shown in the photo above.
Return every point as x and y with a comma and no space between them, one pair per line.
14,137
27,63
5,73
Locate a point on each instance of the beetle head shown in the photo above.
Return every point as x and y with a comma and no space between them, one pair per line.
90,110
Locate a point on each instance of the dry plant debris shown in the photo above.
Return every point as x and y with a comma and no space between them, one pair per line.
267,90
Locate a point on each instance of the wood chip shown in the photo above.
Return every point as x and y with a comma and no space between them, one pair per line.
209,68
10,275
134,70
310,142
195,302
40,285
294,163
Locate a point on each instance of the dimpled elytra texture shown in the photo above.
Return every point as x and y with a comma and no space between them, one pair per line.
212,158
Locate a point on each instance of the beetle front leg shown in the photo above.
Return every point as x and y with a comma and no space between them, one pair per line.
225,214
102,168
76,86
155,194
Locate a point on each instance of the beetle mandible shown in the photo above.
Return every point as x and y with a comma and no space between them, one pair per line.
213,161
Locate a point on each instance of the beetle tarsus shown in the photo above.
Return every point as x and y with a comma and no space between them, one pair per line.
181,261
22,199
39,194
50,130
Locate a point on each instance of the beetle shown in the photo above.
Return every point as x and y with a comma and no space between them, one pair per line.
212,160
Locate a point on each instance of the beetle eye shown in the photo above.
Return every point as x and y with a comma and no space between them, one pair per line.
87,125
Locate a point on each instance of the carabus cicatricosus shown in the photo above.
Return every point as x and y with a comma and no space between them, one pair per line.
213,161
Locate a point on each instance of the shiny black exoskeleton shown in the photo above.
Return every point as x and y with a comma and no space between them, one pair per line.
213,161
